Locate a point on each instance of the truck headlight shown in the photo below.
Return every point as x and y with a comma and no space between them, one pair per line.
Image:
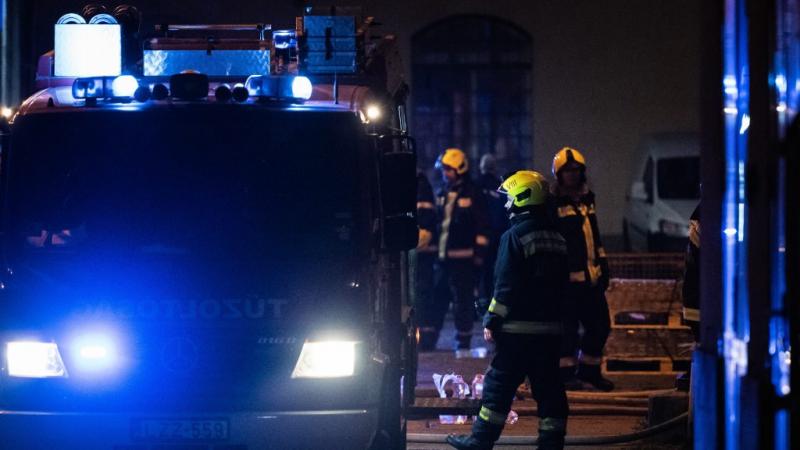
34,360
326,359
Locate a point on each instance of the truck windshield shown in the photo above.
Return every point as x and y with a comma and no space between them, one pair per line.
679,178
210,181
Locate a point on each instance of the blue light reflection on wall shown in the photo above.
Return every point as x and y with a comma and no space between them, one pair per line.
785,83
736,321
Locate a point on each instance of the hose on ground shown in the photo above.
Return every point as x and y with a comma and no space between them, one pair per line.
599,394
420,438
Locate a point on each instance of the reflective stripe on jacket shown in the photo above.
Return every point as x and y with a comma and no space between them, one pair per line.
577,222
463,223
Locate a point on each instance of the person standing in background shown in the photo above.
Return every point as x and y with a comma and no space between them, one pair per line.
574,205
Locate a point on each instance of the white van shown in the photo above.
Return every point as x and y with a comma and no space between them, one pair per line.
664,191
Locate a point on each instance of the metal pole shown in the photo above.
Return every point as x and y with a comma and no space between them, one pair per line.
757,425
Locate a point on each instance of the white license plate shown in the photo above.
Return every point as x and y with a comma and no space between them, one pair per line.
180,429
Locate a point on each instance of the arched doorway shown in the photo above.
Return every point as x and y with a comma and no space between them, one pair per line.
472,90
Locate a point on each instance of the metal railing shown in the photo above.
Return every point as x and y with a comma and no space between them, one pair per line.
650,266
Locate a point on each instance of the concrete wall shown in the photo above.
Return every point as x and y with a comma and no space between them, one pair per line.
605,72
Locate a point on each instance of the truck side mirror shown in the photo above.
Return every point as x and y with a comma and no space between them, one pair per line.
398,185
400,233
638,191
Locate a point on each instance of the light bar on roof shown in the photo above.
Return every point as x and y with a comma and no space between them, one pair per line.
289,88
87,50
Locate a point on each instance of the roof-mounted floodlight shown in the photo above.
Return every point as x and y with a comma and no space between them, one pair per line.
87,50
124,86
302,88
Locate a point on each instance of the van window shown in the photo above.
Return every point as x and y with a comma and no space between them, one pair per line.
679,178
648,180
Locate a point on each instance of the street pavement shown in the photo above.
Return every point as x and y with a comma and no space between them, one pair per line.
587,423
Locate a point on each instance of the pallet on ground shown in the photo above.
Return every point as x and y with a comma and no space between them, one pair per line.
645,365
649,342
654,296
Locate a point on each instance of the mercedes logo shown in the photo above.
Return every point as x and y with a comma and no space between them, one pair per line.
180,354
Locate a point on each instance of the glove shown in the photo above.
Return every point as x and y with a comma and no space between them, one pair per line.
492,322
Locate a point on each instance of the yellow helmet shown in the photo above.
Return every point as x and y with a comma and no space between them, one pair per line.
455,159
525,188
566,155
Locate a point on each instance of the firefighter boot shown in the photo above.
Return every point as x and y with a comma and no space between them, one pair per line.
551,433
468,442
590,373
427,339
571,382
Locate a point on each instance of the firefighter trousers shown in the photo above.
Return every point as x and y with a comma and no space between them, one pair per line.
423,299
585,306
455,281
518,356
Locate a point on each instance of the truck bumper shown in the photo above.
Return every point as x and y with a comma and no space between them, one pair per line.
345,429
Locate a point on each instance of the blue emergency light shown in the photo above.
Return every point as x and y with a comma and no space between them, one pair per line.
121,87
296,88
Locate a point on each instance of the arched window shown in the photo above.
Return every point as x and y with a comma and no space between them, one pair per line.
472,90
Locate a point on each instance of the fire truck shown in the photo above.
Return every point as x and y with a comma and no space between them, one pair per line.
204,240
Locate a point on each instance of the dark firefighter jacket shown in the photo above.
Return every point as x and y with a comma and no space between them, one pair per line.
691,276
462,222
426,212
531,274
495,204
577,222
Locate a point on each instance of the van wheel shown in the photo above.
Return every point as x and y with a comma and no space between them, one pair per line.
654,244
626,237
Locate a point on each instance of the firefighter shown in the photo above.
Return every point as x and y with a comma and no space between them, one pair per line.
525,318
691,277
425,257
589,276
461,245
691,289
498,224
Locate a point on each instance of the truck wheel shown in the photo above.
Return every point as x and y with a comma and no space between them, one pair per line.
391,433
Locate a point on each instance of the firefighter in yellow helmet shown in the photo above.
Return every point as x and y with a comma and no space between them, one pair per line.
460,245
586,299
525,318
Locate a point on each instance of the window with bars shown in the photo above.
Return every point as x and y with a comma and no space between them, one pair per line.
472,90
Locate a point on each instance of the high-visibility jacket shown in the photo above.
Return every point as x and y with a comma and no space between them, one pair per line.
531,275
577,222
462,222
